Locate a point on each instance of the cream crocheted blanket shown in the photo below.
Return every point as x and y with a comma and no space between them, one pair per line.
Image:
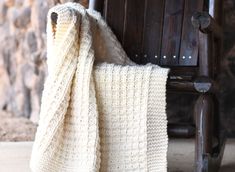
99,110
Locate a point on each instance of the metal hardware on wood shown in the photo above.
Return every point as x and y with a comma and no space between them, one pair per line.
203,84
174,57
183,57
190,57
155,56
164,57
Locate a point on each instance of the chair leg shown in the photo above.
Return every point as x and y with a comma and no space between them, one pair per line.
203,112
207,157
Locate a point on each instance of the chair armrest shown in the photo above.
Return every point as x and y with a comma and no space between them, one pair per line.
206,24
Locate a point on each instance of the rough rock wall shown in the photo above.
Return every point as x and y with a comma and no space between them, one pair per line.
23,54
227,77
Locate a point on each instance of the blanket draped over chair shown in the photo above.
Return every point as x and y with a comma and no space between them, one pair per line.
99,110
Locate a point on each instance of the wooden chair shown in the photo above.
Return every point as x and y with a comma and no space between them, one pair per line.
185,35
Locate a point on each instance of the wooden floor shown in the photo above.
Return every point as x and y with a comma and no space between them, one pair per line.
14,156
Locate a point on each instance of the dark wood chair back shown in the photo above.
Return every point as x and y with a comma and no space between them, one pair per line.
156,31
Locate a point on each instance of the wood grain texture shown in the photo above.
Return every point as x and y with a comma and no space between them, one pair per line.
115,16
152,35
189,40
172,28
133,29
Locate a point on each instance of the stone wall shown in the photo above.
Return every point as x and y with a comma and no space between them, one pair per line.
23,55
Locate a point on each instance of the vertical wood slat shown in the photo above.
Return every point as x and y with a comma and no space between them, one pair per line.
189,39
205,54
172,29
152,34
133,29
216,11
115,16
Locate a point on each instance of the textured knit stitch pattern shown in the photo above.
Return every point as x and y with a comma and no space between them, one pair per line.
99,111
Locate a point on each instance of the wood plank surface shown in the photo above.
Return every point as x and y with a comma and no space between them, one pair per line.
114,15
133,29
189,40
172,28
152,35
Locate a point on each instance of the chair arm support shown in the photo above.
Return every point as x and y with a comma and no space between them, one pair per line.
200,84
206,24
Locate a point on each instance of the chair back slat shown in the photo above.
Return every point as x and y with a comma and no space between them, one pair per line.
172,30
133,29
189,38
152,35
114,13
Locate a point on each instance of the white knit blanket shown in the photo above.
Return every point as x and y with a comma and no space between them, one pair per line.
99,110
